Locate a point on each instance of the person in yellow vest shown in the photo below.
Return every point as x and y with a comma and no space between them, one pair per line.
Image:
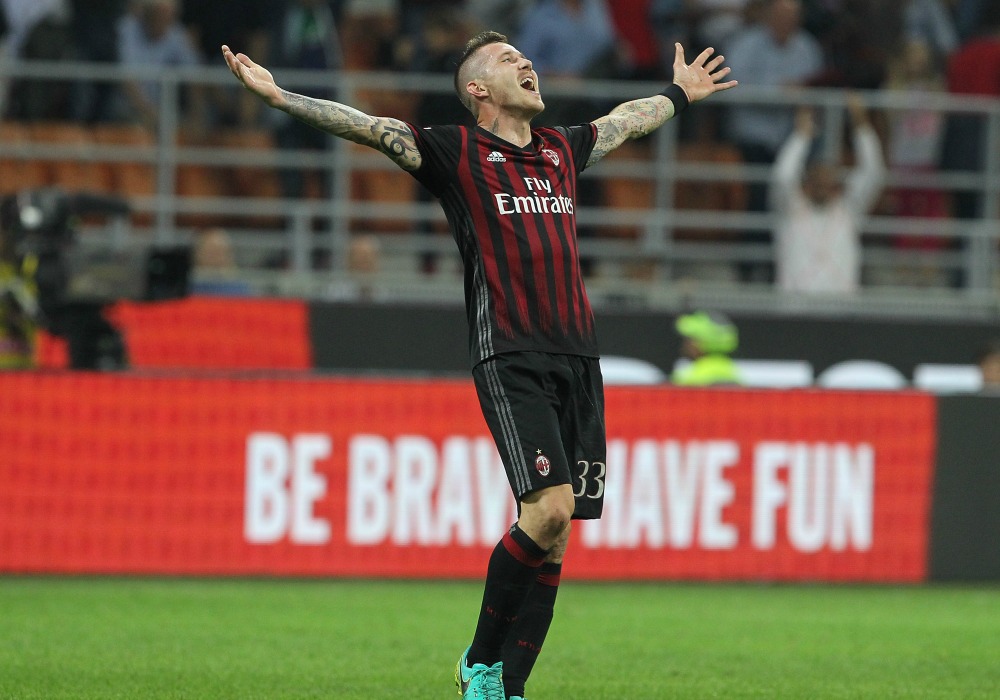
709,338
18,308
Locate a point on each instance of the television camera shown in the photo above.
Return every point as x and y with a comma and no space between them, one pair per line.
58,278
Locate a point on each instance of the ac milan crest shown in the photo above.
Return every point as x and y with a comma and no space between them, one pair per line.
542,464
551,155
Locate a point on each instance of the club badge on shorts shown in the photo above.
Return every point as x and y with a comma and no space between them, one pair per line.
542,464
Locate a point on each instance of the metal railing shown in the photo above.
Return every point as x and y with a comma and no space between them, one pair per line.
296,227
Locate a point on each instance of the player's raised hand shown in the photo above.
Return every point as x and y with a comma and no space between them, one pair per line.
701,78
255,78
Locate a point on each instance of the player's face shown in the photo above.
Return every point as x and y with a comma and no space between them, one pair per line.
513,84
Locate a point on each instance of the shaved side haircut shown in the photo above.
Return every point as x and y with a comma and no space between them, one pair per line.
474,44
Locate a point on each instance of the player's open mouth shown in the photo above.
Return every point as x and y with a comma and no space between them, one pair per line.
528,83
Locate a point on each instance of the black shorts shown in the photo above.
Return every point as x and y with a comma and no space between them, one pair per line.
546,413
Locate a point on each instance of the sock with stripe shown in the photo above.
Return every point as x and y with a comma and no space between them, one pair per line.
524,642
510,575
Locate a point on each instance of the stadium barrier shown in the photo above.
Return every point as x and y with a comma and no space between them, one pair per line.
275,334
305,476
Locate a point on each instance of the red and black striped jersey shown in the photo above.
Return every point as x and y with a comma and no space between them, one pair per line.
512,211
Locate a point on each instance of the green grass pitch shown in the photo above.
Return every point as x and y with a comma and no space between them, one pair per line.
150,639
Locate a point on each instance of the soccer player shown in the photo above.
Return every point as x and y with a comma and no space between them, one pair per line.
509,193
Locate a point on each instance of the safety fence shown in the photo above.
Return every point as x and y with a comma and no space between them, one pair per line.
665,216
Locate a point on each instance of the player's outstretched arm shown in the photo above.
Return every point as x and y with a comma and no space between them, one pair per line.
630,120
390,136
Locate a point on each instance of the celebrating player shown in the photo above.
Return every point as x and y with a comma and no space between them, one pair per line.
509,193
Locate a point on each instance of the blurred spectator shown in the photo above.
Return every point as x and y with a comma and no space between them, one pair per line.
969,14
305,38
856,41
48,38
504,16
363,262
716,22
989,366
152,35
638,47
708,338
445,31
973,69
414,18
96,40
568,38
668,20
819,217
215,271
914,146
371,35
776,52
21,16
931,23
242,23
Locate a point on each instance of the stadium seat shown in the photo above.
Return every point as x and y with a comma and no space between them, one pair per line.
627,193
199,180
253,181
72,173
19,173
384,186
131,178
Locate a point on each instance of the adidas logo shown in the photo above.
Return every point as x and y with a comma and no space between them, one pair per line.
496,157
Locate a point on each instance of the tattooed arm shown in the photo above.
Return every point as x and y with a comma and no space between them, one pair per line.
640,117
390,136
628,121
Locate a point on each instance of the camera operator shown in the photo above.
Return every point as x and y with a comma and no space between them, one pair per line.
37,228
18,308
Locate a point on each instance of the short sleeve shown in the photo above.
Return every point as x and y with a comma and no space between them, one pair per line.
440,148
581,139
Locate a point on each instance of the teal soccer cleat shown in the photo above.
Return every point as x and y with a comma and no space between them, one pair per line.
481,682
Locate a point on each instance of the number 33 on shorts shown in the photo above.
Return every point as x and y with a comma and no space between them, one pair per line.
588,481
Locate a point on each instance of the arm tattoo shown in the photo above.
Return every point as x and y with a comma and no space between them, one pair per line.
390,136
337,119
395,138
628,121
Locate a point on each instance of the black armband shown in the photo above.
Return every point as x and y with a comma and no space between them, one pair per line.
675,93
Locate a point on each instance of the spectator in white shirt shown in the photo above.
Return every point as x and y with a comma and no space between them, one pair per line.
817,236
153,35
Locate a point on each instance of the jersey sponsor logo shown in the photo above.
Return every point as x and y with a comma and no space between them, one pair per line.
496,157
551,155
539,200
542,464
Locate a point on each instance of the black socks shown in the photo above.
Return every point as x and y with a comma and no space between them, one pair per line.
524,642
513,568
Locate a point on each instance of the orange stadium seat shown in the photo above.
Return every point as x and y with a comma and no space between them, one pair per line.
387,187
71,174
627,193
253,181
199,180
19,173
129,178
